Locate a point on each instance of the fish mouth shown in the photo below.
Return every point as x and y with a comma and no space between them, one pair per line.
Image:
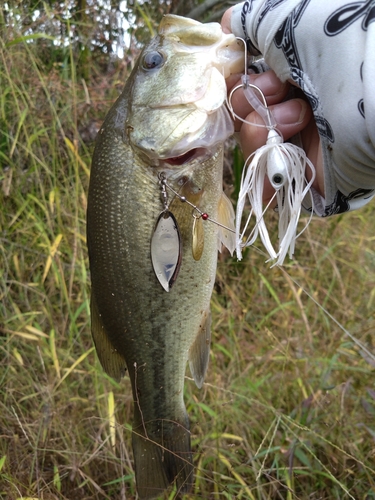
192,154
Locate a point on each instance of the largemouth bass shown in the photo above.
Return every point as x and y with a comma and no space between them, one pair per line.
152,255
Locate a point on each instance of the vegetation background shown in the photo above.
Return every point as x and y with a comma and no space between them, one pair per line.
288,408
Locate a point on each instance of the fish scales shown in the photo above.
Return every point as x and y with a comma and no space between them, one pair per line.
135,323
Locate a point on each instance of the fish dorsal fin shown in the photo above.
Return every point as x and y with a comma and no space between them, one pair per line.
112,362
226,217
199,352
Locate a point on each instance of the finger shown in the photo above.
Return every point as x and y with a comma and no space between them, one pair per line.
291,117
273,89
226,21
313,147
233,80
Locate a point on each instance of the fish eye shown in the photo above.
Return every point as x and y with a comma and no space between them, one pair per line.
152,60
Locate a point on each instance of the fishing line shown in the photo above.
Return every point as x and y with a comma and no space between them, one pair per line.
350,335
284,165
322,308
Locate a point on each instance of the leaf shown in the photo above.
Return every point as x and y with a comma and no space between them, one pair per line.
73,149
74,365
27,38
112,419
53,250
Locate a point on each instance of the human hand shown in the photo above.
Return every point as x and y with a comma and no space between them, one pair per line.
292,116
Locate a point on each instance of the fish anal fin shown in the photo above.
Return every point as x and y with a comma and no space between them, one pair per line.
162,461
199,353
112,362
226,217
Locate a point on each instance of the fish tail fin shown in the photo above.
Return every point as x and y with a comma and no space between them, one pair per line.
162,460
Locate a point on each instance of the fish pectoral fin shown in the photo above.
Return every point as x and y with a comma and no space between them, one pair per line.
226,217
199,352
162,460
112,362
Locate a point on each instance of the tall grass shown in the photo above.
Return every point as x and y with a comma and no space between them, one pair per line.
288,407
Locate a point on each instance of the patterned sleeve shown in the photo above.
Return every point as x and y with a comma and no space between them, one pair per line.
328,49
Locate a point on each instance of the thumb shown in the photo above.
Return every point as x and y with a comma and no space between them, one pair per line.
291,117
226,21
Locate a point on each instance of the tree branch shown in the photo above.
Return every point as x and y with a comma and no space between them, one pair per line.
201,9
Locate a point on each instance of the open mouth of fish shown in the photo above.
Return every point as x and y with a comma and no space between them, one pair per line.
186,157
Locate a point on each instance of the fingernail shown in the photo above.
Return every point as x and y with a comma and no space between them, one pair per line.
290,112
268,83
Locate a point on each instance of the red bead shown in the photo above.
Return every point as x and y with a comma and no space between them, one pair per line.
204,216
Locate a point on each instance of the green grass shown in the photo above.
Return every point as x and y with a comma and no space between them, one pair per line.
288,407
